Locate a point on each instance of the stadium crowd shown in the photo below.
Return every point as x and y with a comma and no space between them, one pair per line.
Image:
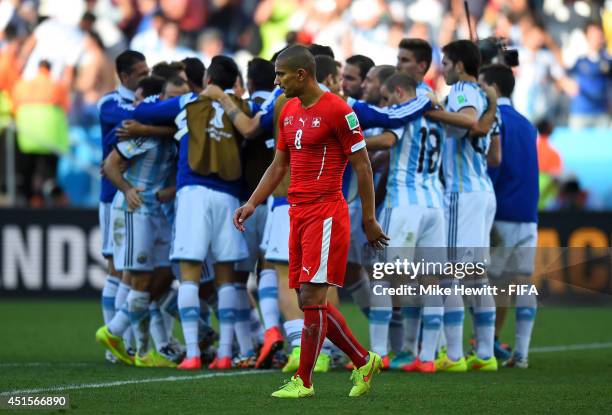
172,96
563,79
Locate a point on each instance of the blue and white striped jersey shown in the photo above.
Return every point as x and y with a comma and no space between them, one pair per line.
152,162
414,166
465,158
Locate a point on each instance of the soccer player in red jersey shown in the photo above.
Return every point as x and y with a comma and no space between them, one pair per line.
318,133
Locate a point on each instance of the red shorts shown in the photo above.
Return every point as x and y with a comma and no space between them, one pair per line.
319,239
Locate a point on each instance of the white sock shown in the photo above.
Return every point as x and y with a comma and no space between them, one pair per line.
441,337
138,307
109,292
242,326
293,331
432,322
156,326
453,326
267,292
189,310
119,325
360,292
257,330
412,326
122,326
396,332
526,309
484,318
379,319
170,312
227,317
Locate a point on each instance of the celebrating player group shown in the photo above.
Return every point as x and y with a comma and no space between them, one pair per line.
259,210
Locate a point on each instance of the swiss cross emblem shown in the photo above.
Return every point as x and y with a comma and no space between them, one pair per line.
288,121
316,122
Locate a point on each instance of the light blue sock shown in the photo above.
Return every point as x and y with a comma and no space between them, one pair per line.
189,310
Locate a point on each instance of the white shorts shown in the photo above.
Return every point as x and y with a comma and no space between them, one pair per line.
208,271
469,218
141,241
358,237
253,235
513,248
203,225
412,227
104,214
277,249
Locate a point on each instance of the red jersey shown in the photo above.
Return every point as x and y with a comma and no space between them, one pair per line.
319,139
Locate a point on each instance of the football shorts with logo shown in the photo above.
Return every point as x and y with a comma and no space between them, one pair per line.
203,226
513,246
276,239
318,243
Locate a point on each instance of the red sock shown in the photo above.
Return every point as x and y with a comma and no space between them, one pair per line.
313,334
340,334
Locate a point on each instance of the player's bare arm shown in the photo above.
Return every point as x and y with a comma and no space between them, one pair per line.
269,181
133,129
112,170
382,141
494,156
166,194
247,126
365,184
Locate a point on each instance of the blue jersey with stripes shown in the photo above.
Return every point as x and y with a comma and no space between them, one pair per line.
173,111
516,180
113,108
395,116
151,162
465,158
414,167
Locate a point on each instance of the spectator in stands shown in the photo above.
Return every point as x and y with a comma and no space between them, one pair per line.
148,42
549,165
9,72
191,15
591,107
41,105
95,77
572,196
210,43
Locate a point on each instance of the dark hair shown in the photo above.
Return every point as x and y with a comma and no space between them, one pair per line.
317,50
96,38
261,74
401,80
544,127
325,66
464,51
500,75
167,70
44,64
385,72
194,68
362,62
126,60
222,72
298,56
420,48
278,52
10,32
592,22
174,80
151,85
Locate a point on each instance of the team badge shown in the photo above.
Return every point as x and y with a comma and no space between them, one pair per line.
288,121
461,99
141,258
352,120
316,122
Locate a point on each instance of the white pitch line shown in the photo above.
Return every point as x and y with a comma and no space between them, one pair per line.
131,382
568,347
541,349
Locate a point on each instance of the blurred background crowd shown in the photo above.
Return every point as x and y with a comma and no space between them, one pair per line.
56,62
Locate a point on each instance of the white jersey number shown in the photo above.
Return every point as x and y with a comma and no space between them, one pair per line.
298,139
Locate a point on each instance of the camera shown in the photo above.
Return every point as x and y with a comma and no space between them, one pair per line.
495,50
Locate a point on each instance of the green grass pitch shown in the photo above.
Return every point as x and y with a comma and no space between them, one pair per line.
46,345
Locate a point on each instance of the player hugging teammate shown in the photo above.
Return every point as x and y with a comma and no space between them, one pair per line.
214,189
